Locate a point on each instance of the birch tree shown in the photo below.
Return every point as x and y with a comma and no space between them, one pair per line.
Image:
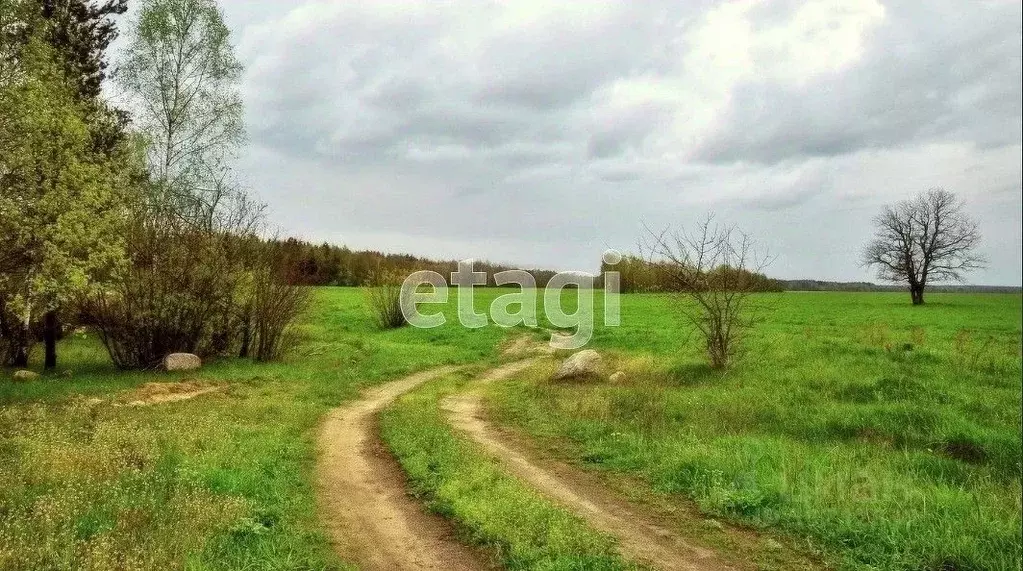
179,76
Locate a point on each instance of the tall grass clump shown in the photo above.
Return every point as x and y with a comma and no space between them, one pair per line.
384,299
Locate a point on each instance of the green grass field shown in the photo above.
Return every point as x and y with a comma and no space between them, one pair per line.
887,435
218,482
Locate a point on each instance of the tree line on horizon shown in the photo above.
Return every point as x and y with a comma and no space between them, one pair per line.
638,274
328,264
824,285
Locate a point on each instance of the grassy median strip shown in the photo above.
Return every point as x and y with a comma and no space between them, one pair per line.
492,509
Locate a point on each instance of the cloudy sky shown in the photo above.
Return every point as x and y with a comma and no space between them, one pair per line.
541,133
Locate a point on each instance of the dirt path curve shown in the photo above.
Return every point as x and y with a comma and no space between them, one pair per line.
361,493
640,537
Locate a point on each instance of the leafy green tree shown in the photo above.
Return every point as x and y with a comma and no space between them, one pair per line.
59,201
78,33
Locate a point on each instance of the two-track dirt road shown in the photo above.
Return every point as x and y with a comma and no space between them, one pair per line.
362,498
372,520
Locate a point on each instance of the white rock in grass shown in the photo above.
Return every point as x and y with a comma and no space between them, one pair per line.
618,377
585,363
25,376
181,362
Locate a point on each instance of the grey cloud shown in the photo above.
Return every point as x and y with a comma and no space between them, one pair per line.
933,72
620,175
562,66
617,135
386,88
782,200
438,136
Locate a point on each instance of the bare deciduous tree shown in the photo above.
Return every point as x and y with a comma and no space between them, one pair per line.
713,271
926,238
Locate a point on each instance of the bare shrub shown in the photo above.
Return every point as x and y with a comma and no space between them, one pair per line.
712,273
384,298
175,296
182,286
275,306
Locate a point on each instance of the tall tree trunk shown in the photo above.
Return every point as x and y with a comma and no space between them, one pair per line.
21,352
51,329
21,346
916,292
246,332
22,340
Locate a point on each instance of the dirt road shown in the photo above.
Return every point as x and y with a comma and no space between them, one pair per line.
362,498
640,536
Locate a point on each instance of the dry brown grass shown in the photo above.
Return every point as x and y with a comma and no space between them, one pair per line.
158,393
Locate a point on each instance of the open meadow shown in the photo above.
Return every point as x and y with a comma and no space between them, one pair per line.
858,432
551,286
886,434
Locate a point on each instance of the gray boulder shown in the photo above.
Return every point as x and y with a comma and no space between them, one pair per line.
181,362
25,376
585,363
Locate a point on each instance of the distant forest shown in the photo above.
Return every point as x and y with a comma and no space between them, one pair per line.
331,265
